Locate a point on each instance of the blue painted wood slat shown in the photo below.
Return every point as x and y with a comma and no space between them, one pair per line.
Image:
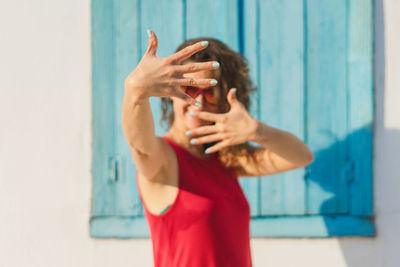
249,30
126,56
327,106
103,110
282,97
361,105
217,19
318,226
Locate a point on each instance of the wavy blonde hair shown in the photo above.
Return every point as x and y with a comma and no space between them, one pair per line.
233,72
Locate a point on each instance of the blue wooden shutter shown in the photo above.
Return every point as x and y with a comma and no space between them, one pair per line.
116,209
312,62
315,77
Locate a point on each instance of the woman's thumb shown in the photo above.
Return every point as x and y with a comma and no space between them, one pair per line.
153,43
232,96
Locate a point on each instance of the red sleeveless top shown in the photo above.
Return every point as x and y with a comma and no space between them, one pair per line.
208,223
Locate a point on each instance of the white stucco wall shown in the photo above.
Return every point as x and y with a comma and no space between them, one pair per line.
45,142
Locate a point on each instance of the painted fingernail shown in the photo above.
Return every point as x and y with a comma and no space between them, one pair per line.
193,141
188,133
149,33
207,151
234,91
204,43
213,82
215,65
197,104
191,114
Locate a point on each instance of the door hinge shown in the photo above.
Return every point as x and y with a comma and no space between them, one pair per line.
113,169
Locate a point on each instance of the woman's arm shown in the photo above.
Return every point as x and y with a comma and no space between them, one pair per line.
155,77
138,125
281,151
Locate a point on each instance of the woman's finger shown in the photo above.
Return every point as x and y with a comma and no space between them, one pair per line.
208,139
187,98
203,130
218,146
189,81
208,116
153,43
186,52
194,67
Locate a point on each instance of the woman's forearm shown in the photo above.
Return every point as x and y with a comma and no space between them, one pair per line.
282,143
138,122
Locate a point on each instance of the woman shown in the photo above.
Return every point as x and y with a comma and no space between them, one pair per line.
187,179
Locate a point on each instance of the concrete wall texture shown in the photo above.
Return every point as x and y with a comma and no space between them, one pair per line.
45,150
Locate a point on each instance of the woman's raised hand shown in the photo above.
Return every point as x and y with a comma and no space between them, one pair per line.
231,128
162,77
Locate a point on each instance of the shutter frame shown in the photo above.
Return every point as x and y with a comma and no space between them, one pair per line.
116,209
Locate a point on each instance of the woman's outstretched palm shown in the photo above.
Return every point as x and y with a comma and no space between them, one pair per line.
162,77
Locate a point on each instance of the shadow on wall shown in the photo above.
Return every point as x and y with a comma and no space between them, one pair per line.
381,250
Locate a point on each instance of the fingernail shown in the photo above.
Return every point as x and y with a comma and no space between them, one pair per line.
207,151
215,65
193,141
197,104
204,43
191,114
149,33
213,82
188,133
234,91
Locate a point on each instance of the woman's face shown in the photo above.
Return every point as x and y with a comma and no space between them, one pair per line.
182,109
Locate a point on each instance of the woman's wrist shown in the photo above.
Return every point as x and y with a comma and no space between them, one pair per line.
132,99
261,133
135,93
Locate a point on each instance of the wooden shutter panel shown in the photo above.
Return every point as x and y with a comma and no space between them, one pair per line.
338,115
250,45
327,106
312,62
340,108
281,93
361,106
115,51
106,157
